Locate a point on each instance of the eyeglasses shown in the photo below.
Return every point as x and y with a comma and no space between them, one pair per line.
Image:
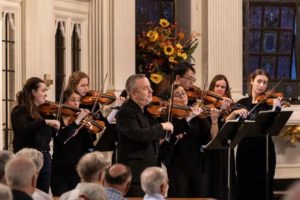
190,78
179,94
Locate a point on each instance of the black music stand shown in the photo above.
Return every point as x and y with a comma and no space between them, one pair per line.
228,137
270,123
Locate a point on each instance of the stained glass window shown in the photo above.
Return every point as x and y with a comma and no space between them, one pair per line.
270,42
151,11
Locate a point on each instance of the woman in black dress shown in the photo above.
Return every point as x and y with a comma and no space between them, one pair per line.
217,160
185,166
69,147
251,152
31,129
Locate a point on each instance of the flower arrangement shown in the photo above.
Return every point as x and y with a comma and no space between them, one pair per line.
159,48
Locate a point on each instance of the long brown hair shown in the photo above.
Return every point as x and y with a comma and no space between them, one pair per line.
25,97
253,75
218,78
75,78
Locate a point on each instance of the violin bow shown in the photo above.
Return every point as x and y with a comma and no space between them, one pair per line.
169,119
99,94
268,93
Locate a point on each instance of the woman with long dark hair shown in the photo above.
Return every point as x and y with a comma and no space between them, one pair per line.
31,129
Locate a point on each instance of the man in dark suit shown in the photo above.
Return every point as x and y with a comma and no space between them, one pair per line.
138,132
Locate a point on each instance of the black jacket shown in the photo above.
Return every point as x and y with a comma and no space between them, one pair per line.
29,132
138,136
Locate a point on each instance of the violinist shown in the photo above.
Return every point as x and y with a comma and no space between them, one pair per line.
251,156
185,161
31,129
184,75
138,132
79,81
217,159
66,154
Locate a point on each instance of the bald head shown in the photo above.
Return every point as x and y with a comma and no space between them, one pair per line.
117,174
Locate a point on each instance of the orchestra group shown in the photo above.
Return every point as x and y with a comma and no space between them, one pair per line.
168,130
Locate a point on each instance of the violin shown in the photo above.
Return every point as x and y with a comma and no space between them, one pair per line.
94,126
269,96
91,97
50,108
158,107
207,96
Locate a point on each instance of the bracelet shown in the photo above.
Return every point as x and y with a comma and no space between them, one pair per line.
214,123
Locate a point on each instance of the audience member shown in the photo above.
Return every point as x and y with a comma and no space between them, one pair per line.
117,181
37,158
92,191
21,177
90,169
5,192
154,182
5,156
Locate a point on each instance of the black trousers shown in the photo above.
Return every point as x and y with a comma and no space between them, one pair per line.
43,181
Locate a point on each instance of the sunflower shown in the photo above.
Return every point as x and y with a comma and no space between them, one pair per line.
164,23
152,35
156,78
169,50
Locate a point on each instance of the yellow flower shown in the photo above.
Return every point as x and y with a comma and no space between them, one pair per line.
152,35
164,23
172,59
169,50
182,55
156,78
179,46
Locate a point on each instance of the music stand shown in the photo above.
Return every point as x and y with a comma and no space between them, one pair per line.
270,123
228,137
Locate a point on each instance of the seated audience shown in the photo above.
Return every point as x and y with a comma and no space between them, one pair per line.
37,158
154,182
92,191
90,169
117,181
21,177
5,156
5,192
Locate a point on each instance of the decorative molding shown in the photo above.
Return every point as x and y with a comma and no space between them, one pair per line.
73,13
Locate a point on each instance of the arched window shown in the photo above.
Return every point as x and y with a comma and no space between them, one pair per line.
76,49
59,58
8,73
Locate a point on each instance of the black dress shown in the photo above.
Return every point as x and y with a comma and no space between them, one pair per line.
251,162
138,135
66,156
33,133
184,158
